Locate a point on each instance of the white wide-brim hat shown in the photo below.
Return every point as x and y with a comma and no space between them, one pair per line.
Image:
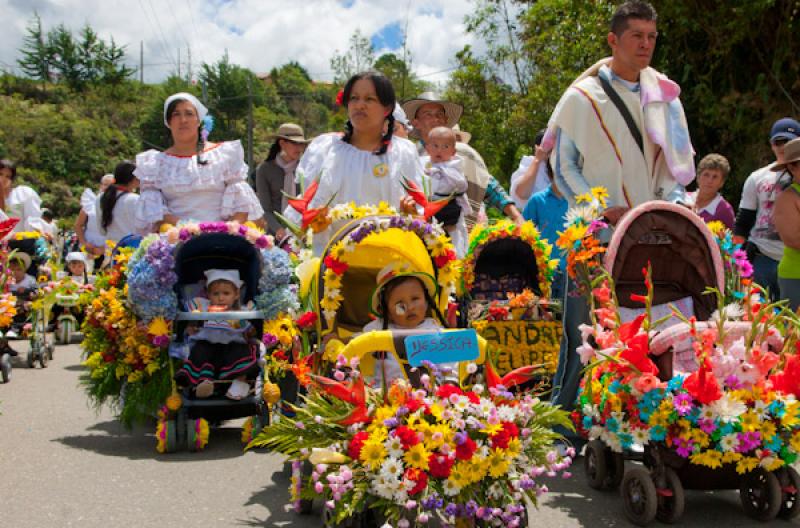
230,275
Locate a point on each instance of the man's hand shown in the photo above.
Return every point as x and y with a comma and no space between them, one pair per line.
408,205
541,154
613,214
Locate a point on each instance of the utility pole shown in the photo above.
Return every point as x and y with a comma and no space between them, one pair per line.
141,61
189,62
179,62
249,123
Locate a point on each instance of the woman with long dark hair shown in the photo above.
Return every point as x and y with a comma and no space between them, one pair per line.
275,177
116,207
366,164
193,179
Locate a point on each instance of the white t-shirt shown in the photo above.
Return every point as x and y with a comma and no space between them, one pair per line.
123,217
759,193
540,183
28,283
388,370
180,186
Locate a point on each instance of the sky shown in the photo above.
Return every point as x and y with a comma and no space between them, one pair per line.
257,34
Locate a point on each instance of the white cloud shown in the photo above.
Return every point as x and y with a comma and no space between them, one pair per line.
258,34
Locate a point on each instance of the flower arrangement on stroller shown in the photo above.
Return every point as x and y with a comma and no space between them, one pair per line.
8,301
417,450
505,291
686,360
31,250
137,318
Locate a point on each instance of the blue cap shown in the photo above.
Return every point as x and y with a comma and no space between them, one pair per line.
786,128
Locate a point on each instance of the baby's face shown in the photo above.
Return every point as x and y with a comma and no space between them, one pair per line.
223,293
440,149
407,305
76,267
16,270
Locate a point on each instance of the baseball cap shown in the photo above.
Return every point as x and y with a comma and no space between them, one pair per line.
785,128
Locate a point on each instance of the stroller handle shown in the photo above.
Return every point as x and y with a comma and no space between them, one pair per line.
220,316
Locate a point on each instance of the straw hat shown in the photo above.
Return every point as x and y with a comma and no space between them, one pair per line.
452,110
393,271
291,132
462,136
791,152
24,258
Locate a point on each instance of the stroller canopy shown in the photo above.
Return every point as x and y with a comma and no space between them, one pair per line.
510,263
370,256
681,250
221,251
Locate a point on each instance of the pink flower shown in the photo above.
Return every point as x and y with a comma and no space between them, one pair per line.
647,382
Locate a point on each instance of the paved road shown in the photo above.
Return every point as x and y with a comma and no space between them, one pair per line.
63,464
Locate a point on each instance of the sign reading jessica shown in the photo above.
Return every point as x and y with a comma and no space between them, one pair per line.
449,346
521,343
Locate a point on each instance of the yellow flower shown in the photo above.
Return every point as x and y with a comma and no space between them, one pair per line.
498,463
459,474
417,457
700,438
746,465
711,458
731,456
600,194
514,448
749,421
790,418
492,429
716,227
158,327
767,429
795,442
372,454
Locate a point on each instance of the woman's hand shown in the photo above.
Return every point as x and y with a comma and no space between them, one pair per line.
94,250
408,205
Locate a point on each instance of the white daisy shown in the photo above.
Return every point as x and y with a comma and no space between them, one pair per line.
450,489
729,442
392,467
506,413
641,436
728,408
394,446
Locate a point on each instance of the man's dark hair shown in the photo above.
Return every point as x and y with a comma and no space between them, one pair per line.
633,9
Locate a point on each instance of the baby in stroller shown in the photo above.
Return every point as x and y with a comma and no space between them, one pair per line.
24,288
219,350
402,300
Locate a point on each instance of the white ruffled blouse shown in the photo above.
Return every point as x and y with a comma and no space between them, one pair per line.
24,203
180,186
349,174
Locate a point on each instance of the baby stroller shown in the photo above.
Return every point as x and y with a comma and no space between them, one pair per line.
41,344
685,260
505,294
193,257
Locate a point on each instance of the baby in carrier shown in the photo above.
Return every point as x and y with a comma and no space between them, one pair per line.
23,287
403,299
219,350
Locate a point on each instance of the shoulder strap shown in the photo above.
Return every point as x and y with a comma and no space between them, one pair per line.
626,114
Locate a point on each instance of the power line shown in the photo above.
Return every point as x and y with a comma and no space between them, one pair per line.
161,32
164,49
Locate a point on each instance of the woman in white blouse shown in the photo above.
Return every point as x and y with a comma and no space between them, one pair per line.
19,201
366,164
116,207
193,179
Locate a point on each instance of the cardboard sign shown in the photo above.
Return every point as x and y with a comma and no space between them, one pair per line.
521,343
448,346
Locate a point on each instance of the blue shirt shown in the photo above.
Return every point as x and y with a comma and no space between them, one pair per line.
547,211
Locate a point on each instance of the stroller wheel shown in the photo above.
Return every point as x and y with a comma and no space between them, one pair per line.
31,357
604,468
50,350
64,331
761,495
305,505
172,437
5,367
671,498
44,356
790,486
639,496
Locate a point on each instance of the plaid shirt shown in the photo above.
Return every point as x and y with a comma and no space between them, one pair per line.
496,196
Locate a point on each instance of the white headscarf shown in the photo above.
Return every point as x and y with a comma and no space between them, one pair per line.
200,107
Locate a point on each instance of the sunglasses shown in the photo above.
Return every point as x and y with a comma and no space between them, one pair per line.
780,142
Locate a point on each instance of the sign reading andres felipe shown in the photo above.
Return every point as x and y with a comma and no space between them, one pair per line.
520,343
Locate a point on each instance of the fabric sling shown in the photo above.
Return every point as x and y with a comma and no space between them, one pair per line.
626,114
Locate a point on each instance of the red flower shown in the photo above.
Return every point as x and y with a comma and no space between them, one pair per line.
637,354
356,443
280,355
466,450
306,321
407,436
419,477
442,260
602,294
340,98
445,391
413,405
108,357
703,386
440,465
473,398
501,439
638,298
337,266
787,380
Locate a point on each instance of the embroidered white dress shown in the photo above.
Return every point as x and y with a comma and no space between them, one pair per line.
180,186
24,203
348,174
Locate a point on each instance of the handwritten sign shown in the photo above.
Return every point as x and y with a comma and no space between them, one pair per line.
520,343
442,347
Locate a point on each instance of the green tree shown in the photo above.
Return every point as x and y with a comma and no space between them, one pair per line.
406,83
35,61
359,56
228,87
